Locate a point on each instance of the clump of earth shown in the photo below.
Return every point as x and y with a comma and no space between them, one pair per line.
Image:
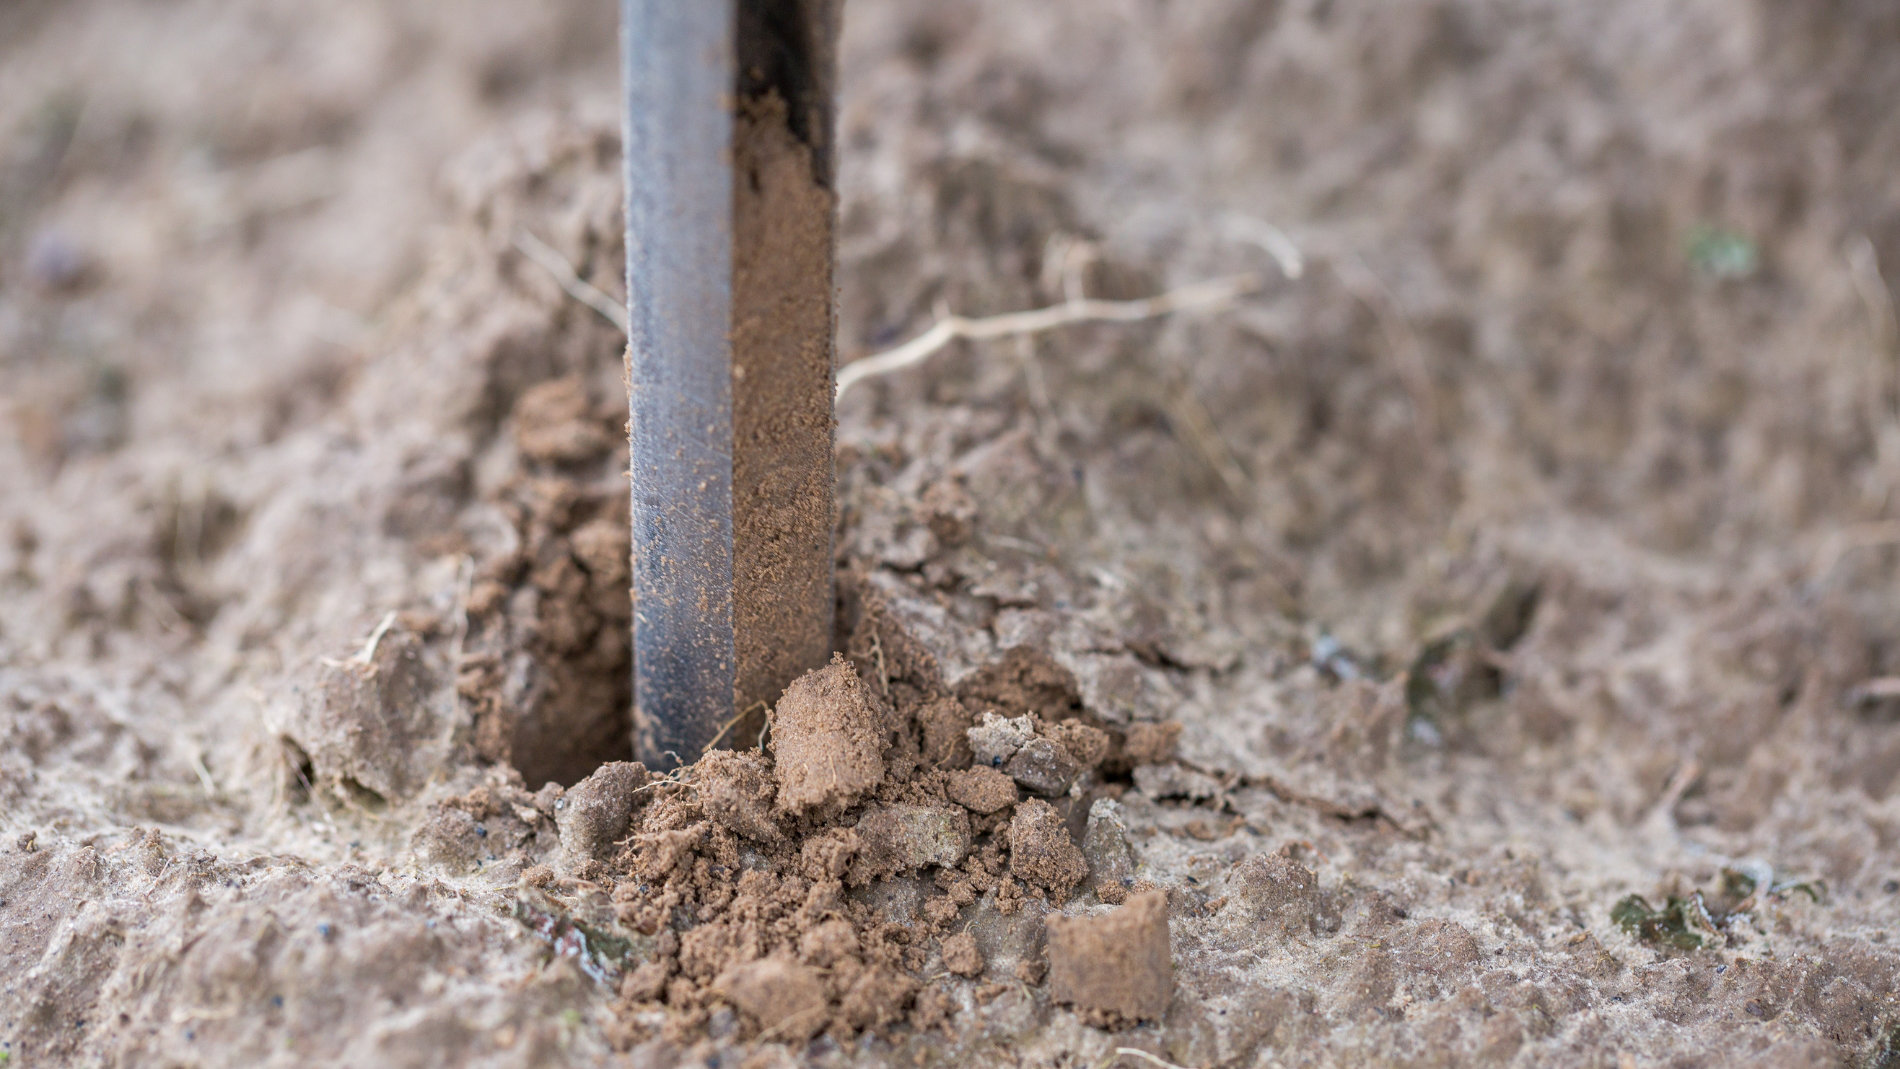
1474,646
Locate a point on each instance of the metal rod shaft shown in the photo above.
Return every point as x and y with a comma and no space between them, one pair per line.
730,224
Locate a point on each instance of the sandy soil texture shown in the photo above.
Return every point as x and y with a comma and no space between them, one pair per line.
1475,646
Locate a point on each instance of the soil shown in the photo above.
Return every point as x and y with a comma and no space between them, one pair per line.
1114,969
782,476
1478,641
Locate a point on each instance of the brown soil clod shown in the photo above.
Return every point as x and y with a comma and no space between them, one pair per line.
594,813
1116,967
1148,743
785,1000
737,791
901,838
944,724
555,423
827,740
961,956
981,790
1040,850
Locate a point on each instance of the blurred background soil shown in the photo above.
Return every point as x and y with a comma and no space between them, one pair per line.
1526,542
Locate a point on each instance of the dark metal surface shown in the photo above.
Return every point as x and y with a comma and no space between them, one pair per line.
678,63
711,427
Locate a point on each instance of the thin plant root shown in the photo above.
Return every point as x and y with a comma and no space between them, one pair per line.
1211,295
571,283
366,656
1135,1052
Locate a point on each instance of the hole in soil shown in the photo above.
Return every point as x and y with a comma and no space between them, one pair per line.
548,665
552,681
300,770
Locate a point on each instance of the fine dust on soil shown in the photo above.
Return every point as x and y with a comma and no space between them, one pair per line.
1475,648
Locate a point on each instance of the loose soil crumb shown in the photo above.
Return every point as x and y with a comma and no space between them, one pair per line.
961,956
981,790
1040,851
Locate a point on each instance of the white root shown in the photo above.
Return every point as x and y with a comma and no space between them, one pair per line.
571,283
1211,295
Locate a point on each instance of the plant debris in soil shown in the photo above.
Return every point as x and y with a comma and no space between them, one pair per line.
1695,920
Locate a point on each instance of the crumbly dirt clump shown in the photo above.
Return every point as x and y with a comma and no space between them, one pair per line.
811,888
827,733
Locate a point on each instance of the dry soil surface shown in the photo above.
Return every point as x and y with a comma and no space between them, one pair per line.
1308,682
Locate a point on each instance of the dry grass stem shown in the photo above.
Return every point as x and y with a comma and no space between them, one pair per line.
1211,295
366,656
571,283
1269,238
1135,1052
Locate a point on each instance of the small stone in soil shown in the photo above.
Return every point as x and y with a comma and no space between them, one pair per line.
1114,967
995,739
1105,848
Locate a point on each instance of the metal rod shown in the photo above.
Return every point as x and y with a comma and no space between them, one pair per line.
730,230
